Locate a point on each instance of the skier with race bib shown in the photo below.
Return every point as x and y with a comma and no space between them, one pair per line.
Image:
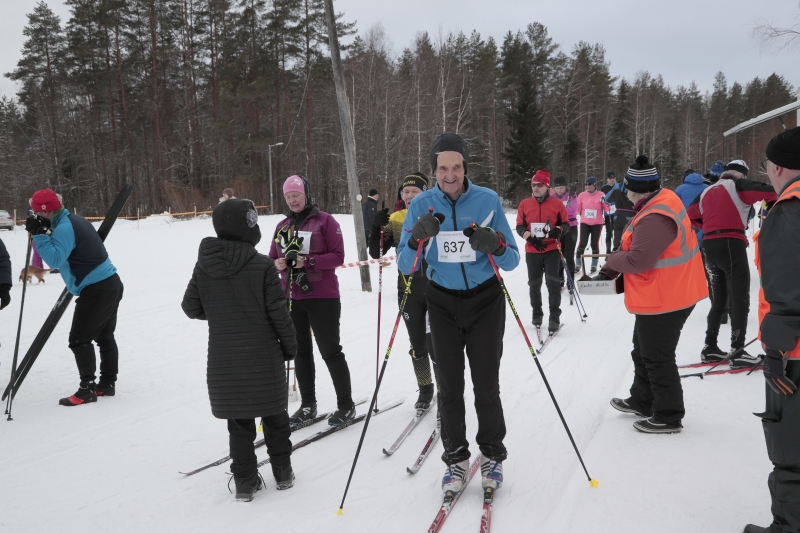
591,206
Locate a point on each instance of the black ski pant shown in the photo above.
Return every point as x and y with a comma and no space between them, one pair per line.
609,224
546,264
568,243
95,319
242,434
321,315
473,320
656,383
588,231
415,316
728,278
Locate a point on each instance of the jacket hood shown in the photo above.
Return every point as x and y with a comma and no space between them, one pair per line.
694,178
222,258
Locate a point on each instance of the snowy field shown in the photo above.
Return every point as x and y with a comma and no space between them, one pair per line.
113,466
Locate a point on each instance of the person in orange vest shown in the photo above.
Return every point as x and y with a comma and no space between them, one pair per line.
777,257
658,253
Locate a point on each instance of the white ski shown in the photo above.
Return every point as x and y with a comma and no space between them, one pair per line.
549,338
426,450
409,428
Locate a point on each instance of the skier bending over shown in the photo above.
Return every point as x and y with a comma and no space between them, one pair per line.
250,335
70,243
416,310
465,303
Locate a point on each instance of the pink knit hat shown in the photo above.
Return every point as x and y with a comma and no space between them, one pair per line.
294,184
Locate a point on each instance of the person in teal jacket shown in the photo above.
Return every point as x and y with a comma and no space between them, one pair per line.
70,243
466,307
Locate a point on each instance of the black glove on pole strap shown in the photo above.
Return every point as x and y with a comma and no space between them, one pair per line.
425,227
486,240
38,225
775,372
381,218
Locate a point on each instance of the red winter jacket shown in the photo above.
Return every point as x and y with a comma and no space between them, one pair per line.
550,211
721,210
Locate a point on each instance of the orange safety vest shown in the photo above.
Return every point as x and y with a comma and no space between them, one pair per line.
792,191
677,281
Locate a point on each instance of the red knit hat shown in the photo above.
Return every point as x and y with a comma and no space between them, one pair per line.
45,200
541,176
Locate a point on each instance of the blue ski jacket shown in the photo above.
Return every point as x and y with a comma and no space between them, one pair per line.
75,248
477,204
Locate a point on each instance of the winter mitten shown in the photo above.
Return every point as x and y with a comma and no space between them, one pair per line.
5,297
537,243
485,240
555,233
775,372
425,227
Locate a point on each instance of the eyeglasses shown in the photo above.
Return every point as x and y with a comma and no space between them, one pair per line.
537,185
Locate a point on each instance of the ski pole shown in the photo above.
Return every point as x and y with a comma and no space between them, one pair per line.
19,327
420,246
592,482
380,294
573,290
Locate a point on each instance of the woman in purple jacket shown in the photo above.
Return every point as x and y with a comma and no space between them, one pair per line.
570,239
314,299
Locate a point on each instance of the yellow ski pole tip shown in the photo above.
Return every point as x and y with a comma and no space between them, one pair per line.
339,511
594,483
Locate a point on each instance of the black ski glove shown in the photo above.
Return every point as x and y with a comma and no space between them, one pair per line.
5,297
38,225
555,233
381,219
602,276
537,243
292,249
775,373
485,240
425,227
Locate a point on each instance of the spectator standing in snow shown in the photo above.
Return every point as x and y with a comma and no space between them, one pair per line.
250,335
693,184
621,209
777,257
70,243
591,209
713,174
368,210
569,239
308,270
542,220
611,180
227,194
415,312
656,259
5,276
721,211
465,303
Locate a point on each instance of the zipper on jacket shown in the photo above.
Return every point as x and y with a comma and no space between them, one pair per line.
455,228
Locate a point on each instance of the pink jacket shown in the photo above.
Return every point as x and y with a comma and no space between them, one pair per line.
591,208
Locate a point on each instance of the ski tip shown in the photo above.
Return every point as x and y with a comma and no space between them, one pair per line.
410,471
386,452
339,511
594,483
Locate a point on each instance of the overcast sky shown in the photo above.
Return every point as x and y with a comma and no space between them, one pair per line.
682,40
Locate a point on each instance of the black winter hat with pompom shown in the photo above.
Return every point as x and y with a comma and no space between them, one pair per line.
642,176
237,220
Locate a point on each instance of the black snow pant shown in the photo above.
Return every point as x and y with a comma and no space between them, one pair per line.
656,383
781,421
473,320
728,276
586,232
568,243
415,315
95,319
321,315
546,264
242,434
609,224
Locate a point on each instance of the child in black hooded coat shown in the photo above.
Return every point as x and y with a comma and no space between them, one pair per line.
251,335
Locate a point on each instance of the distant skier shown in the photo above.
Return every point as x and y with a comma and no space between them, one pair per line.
416,309
569,240
368,210
70,243
250,335
5,276
591,209
611,181
542,220
308,270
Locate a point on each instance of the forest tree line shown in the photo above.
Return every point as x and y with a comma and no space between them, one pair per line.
185,97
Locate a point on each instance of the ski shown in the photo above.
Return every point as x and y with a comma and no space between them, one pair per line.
259,443
728,371
549,338
63,301
409,428
333,429
486,517
699,365
539,333
450,499
426,450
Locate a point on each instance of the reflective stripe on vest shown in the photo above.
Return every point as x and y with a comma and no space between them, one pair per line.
792,191
680,265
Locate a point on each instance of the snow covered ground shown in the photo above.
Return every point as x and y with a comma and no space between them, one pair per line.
113,466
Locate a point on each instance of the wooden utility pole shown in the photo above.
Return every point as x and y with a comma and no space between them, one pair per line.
348,141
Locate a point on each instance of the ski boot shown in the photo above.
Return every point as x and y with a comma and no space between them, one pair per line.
85,394
712,354
745,360
426,393
491,474
553,326
454,477
304,414
342,416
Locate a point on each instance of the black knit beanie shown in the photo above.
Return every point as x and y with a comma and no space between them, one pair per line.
449,142
784,149
237,220
642,176
560,181
415,179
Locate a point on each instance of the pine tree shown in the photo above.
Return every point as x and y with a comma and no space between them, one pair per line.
525,146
